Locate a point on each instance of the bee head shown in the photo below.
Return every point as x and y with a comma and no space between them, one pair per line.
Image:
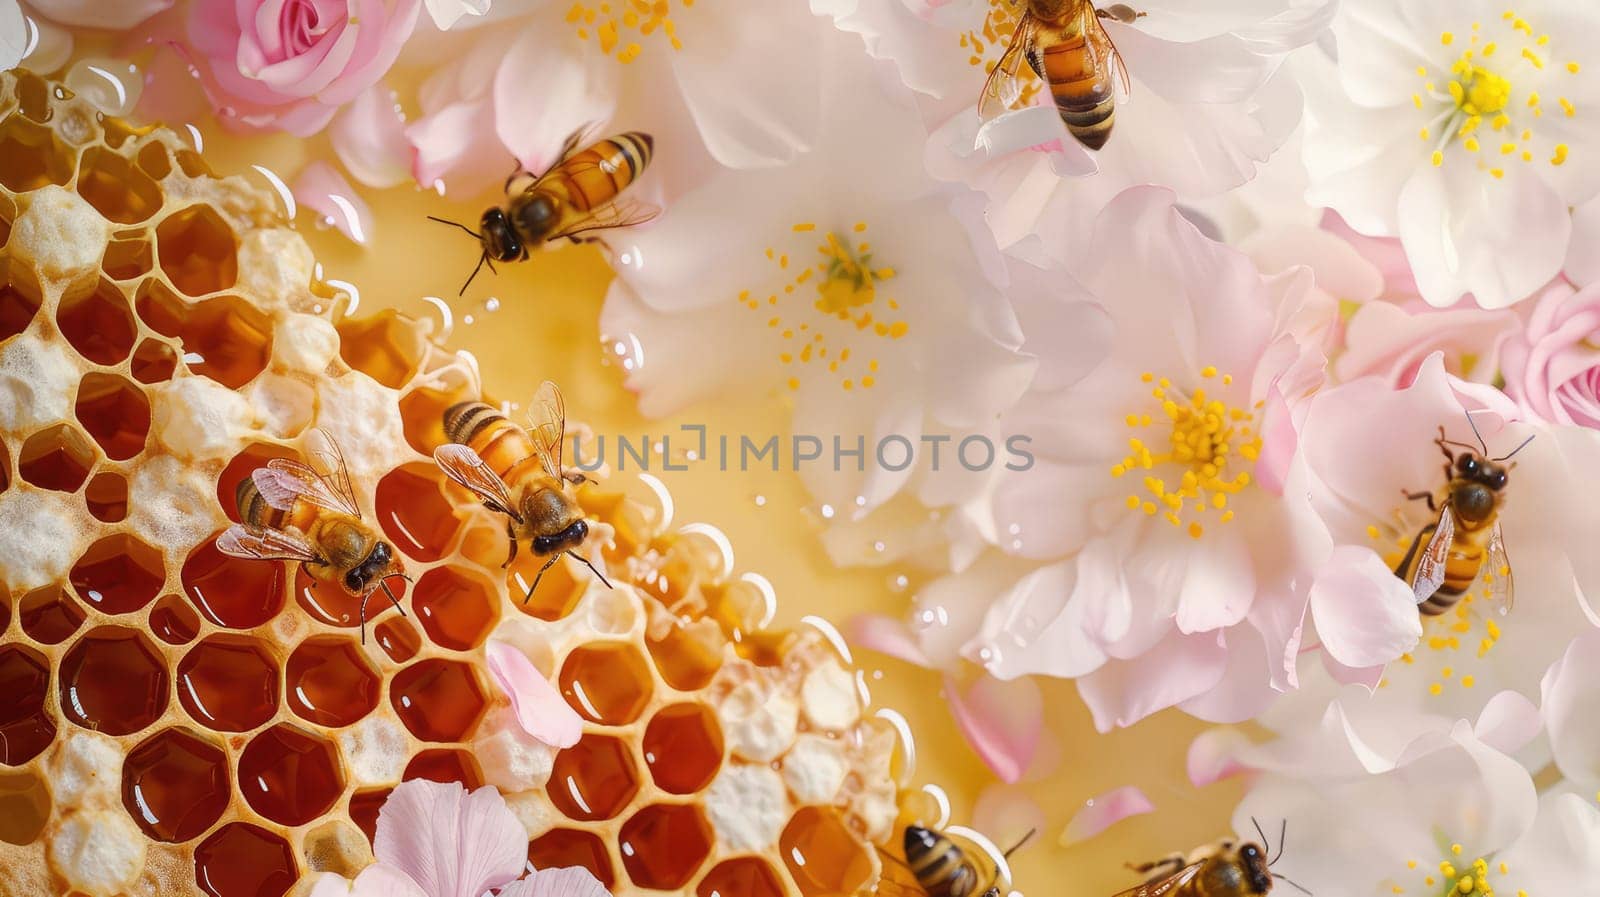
1256,875
537,218
380,563
500,240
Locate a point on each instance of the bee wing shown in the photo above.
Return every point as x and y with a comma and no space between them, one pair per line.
1105,51
264,543
547,424
338,476
616,214
1001,89
1503,588
462,464
1166,885
285,480
1431,566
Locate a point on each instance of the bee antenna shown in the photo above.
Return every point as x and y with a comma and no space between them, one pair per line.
384,584
1474,425
592,569
1292,883
1519,448
1283,838
475,269
1020,841
456,224
1265,844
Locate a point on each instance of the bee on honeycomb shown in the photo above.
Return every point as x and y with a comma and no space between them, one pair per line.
177,721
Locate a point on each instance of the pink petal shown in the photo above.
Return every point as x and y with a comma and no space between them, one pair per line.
1508,722
573,881
1364,614
1100,813
321,188
886,635
451,843
1007,813
540,709
369,136
377,880
1214,756
117,16
1001,720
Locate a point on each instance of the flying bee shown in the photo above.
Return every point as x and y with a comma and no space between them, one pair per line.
576,195
1224,868
1067,47
518,473
291,512
1466,534
943,868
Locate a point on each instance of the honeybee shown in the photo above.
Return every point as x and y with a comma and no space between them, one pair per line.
518,473
942,868
576,195
292,512
1466,534
1224,868
1067,47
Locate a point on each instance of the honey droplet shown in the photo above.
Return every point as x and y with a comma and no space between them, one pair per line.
25,726
457,611
243,860
49,615
594,779
119,574
562,848
289,775
822,855
414,512
239,593
175,785
228,683
664,845
398,639
174,621
445,766
607,683
438,700
24,807
683,747
113,681
330,682
741,877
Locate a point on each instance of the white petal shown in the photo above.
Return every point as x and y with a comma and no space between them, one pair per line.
1562,847
445,13
1570,694
1364,614
1583,262
572,881
451,843
13,35
369,137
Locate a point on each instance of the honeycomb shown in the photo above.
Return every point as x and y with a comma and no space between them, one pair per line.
177,721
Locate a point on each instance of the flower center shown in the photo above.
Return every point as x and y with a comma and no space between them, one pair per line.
613,31
985,45
851,304
1208,441
1454,878
1481,90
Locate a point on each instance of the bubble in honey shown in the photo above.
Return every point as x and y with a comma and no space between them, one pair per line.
119,574
330,682
456,610
414,512
175,785
740,877
239,593
153,362
25,726
442,765
594,779
227,683
364,807
24,807
438,700
113,681
558,593
19,299
198,251
289,775
173,621
115,412
98,322
49,615
683,747
118,190
243,860
254,457
398,639
822,855
107,497
57,458
563,847
664,845
607,683
384,346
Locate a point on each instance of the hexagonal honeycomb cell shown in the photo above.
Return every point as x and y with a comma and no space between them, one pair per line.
228,711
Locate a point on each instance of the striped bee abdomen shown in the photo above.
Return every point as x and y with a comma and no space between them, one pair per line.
1082,88
464,420
938,864
596,175
499,442
253,508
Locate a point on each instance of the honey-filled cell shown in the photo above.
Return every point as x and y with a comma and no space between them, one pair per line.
594,779
153,362
106,497
606,683
364,808
290,775
24,807
558,593
228,683
244,860
197,250
238,593
126,259
49,615
154,160
330,683
741,877
684,654
5,466
252,458
98,322
456,610
119,574
115,412
174,621
438,700
331,604
175,785
422,416
385,346
26,728
57,458
20,297
415,512
823,856
32,156
230,339
663,846
445,765
398,639
564,847
683,747
113,681
119,191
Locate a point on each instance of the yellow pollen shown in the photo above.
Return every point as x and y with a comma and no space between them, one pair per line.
1447,38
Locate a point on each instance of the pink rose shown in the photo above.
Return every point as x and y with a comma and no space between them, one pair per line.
1552,367
290,64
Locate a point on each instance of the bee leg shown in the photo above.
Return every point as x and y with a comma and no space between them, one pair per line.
364,617
547,564
1413,496
1422,539
511,538
592,569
